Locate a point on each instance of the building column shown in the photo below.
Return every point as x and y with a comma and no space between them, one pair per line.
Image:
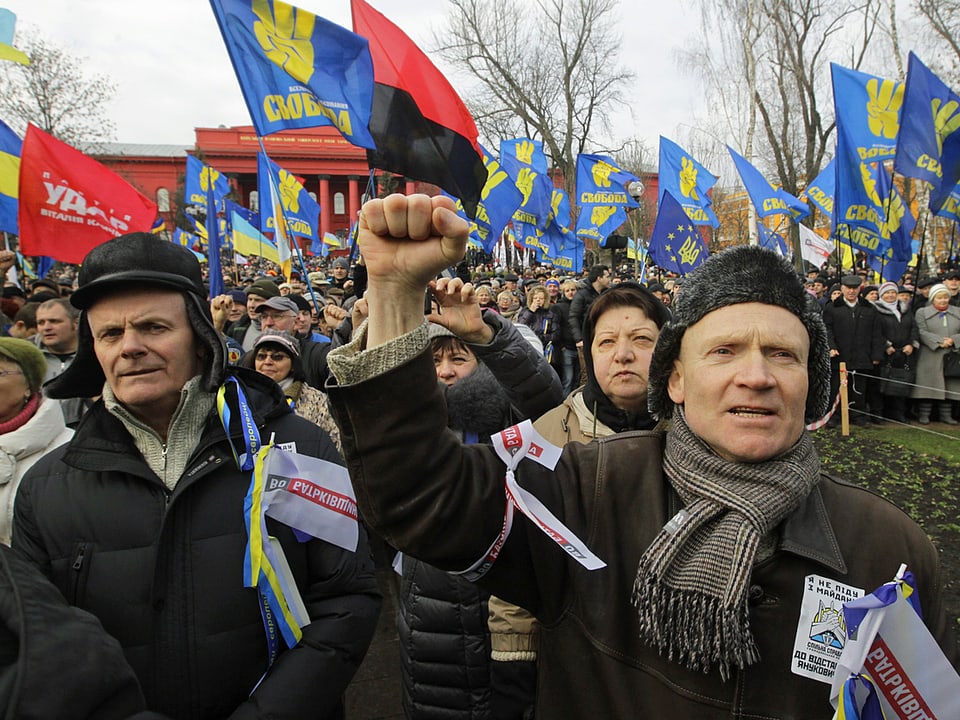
324,199
353,199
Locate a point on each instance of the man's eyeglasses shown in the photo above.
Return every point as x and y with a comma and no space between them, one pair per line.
275,315
4,373
275,356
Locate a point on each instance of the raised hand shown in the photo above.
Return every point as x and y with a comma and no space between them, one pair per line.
407,241
460,310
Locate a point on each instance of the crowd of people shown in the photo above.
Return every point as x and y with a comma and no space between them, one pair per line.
132,405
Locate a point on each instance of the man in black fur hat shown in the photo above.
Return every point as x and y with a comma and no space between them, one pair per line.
726,553
140,518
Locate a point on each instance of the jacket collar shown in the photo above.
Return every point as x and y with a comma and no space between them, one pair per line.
806,532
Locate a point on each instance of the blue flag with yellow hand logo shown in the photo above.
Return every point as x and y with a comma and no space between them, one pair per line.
301,211
869,108
929,144
565,250
899,222
297,70
951,205
767,199
687,181
822,190
10,145
560,209
524,161
859,218
599,221
675,243
200,177
601,182
499,200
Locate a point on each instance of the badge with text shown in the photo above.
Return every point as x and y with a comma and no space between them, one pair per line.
821,630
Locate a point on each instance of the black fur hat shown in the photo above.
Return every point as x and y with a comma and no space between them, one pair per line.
743,274
137,260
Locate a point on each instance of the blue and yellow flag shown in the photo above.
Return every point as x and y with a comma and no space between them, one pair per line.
297,70
565,254
767,199
599,221
301,211
499,200
822,190
248,240
951,205
601,182
859,219
899,222
200,178
688,182
675,244
526,164
869,109
8,22
929,144
188,240
560,209
10,145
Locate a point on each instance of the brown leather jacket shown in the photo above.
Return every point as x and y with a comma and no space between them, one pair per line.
440,501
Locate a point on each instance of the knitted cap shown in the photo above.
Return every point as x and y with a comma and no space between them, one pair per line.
744,274
28,357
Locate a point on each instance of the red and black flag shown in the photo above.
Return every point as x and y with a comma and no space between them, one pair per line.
420,125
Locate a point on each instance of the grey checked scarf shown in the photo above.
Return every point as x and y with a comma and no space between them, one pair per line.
691,586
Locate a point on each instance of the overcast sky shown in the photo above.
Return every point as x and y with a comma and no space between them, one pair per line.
169,64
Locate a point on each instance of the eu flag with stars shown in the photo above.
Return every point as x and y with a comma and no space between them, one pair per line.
10,145
929,144
297,70
687,181
675,244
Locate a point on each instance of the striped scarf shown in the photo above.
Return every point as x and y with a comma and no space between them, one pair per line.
691,585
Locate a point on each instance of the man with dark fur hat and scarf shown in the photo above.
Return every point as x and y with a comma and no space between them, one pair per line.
722,538
140,519
491,378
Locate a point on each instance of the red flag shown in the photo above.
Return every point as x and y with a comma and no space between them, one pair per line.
420,124
70,203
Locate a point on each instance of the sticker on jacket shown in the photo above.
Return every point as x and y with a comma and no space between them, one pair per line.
821,630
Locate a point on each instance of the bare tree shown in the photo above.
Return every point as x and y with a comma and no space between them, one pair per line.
547,70
55,94
943,17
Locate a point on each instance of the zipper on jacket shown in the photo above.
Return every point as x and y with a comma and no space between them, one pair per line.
77,566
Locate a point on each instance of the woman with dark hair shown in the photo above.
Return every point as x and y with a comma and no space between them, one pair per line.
620,332
276,354
493,378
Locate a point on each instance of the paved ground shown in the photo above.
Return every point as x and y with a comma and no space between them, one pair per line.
374,693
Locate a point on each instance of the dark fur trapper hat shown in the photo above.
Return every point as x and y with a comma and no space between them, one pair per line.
744,274
137,260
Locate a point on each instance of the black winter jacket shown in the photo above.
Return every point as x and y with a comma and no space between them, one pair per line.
442,619
898,333
163,570
854,332
579,307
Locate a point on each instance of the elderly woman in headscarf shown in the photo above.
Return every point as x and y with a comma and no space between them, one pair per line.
938,325
619,334
30,425
276,354
901,340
